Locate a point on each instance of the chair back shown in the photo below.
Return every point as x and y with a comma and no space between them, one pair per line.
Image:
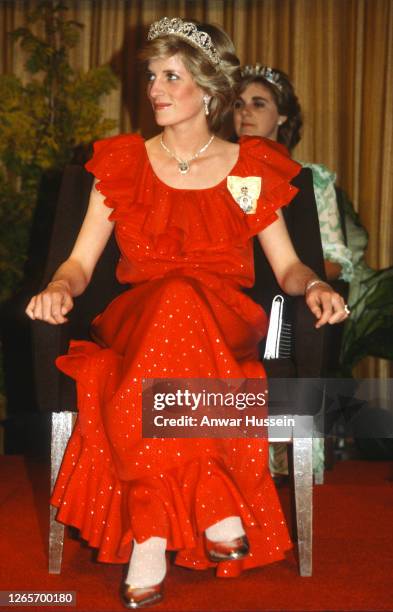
55,391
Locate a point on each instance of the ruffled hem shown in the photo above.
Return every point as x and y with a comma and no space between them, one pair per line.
177,221
110,513
89,497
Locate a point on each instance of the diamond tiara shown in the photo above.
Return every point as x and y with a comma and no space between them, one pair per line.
263,71
188,31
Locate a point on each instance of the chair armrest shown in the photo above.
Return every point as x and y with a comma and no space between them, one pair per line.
54,390
310,343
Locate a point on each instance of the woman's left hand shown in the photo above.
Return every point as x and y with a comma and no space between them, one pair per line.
326,304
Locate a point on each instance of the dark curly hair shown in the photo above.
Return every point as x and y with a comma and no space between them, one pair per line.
286,102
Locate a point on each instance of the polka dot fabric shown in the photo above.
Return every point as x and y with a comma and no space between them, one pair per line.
187,253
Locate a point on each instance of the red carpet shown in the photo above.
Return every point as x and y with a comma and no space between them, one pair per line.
353,552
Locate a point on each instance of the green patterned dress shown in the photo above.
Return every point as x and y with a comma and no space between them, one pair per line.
333,245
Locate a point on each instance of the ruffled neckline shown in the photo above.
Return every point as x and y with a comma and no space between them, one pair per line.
178,221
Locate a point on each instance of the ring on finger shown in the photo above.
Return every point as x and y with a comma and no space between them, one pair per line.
347,310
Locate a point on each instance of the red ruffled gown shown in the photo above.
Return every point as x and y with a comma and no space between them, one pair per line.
188,253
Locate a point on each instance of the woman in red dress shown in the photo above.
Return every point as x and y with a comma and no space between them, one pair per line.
185,206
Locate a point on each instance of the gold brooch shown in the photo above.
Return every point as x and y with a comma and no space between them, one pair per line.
245,190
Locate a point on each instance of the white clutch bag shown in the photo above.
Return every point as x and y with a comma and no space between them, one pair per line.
279,335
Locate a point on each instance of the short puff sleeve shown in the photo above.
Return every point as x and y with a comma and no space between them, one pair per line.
270,161
114,164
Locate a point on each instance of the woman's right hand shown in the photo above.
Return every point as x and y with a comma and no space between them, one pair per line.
52,304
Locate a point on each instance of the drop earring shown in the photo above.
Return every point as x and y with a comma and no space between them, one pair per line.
206,100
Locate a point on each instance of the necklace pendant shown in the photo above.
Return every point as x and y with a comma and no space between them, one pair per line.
183,167
184,164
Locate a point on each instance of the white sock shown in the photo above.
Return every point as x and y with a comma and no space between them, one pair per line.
148,563
226,530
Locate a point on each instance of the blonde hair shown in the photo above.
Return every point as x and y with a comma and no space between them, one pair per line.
218,82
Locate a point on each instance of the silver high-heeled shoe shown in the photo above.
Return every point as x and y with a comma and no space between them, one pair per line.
227,551
137,597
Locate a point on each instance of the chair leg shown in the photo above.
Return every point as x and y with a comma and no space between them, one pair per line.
318,459
303,476
56,539
62,423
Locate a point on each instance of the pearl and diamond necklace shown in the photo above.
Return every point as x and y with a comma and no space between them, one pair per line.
184,164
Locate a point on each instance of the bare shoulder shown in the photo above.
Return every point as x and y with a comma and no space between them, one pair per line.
227,148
